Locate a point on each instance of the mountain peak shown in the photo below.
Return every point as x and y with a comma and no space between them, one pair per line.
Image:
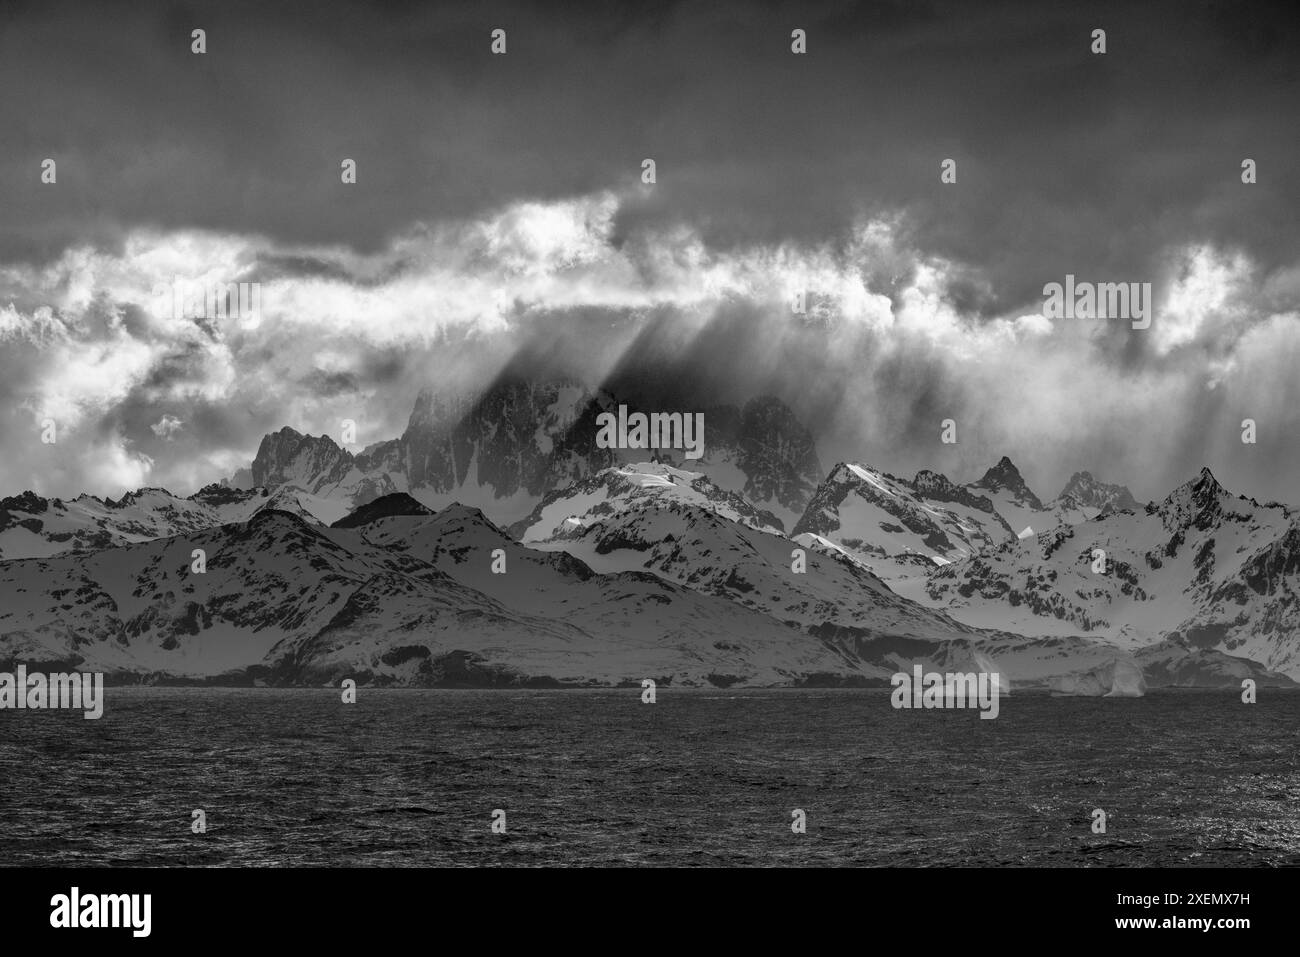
1005,470
1207,485
130,498
1203,486
1198,502
1083,490
289,457
1005,475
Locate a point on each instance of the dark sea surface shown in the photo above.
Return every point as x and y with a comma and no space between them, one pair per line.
295,777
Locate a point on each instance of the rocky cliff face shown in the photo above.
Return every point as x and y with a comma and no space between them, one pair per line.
517,437
1089,497
313,463
504,449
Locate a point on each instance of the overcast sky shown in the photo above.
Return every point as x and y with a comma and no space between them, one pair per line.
498,219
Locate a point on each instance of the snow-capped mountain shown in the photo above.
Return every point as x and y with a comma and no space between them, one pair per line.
644,560
638,620
678,526
36,527
900,528
314,464
140,608
1204,567
286,601
826,592
1011,497
614,490
681,539
897,527
666,584
1084,498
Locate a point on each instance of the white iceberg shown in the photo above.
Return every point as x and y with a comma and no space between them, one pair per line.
1127,680
1117,678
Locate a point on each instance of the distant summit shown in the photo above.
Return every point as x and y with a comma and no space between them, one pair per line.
1006,476
1083,491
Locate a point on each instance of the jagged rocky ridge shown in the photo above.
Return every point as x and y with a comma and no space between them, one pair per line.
506,448
1204,568
902,529
36,527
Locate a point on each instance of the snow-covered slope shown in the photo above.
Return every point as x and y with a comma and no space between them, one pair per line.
35,527
663,586
686,542
286,601
901,528
835,598
1204,566
614,490
649,618
896,527
140,608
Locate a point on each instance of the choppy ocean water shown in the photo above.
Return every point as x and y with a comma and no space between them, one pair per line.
295,777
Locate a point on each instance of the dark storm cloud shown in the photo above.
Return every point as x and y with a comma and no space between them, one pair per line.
318,382
181,365
1067,162
271,266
